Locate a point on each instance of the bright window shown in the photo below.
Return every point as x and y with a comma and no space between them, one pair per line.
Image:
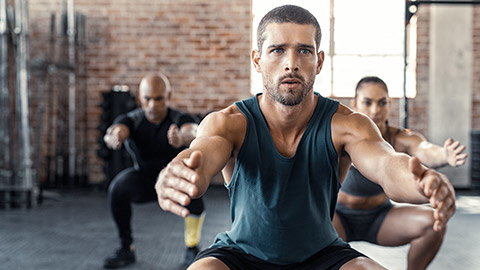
367,40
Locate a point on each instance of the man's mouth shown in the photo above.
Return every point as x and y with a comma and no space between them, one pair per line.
290,83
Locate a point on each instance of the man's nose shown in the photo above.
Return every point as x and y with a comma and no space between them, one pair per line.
151,104
291,64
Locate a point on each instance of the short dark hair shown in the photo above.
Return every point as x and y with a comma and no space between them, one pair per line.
370,79
286,14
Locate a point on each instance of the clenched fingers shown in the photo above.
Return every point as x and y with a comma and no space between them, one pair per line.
174,136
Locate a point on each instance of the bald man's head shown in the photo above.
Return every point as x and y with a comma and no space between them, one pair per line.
154,92
155,80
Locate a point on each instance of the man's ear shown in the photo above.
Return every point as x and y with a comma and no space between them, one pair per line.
321,58
256,60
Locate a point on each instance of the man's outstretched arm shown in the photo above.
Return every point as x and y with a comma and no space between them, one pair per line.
188,175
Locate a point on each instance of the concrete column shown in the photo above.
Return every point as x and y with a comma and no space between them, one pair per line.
450,94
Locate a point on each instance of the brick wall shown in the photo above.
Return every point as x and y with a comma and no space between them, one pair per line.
476,69
418,107
202,46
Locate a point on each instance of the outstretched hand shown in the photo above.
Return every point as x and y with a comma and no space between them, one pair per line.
437,189
454,152
176,184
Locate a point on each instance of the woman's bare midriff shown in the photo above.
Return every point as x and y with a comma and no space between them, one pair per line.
356,202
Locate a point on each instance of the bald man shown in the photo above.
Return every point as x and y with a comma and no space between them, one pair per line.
153,135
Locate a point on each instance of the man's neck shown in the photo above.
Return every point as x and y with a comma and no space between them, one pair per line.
285,118
157,120
287,123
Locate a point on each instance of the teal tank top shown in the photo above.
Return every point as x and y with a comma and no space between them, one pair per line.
282,207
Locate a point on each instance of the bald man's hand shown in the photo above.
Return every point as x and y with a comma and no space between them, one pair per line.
175,137
176,184
436,187
115,135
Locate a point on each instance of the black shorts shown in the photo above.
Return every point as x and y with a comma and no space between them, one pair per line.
329,258
363,224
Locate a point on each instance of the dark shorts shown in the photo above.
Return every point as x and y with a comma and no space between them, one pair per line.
329,258
363,224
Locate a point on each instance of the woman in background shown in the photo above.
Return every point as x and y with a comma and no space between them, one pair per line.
365,213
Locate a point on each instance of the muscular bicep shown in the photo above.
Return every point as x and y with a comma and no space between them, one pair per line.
218,137
366,148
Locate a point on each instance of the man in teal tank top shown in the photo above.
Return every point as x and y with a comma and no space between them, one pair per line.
281,154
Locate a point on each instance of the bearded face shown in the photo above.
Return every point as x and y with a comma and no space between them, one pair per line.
288,90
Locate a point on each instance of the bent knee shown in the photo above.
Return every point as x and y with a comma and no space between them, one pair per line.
208,263
362,263
427,221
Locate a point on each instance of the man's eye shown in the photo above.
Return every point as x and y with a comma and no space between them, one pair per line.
304,51
278,50
367,103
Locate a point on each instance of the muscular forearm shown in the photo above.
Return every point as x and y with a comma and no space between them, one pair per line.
433,156
202,182
399,183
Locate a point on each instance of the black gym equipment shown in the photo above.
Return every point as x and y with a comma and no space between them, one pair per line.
117,101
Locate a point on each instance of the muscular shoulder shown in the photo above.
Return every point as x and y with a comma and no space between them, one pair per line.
349,127
346,121
229,123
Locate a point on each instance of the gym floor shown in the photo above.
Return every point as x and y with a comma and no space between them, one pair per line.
74,230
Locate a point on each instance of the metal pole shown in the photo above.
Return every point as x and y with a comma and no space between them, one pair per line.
5,162
50,98
71,90
59,103
413,2
82,111
23,74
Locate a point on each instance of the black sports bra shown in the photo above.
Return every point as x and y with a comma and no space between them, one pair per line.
358,185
